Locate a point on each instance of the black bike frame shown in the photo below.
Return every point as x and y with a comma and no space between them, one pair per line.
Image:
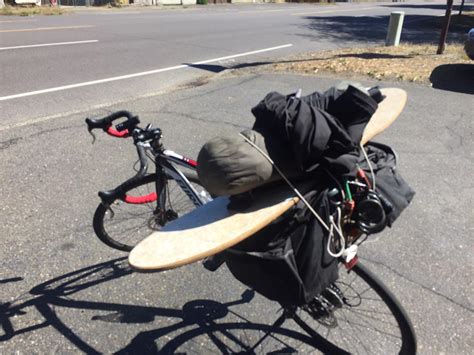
165,169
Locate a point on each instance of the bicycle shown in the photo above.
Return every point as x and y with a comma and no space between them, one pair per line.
146,202
367,318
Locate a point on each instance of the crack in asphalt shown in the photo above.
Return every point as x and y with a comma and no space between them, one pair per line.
456,136
51,130
196,82
7,144
219,76
105,105
194,118
204,94
449,299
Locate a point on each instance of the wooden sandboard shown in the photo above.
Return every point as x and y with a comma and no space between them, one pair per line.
208,230
213,228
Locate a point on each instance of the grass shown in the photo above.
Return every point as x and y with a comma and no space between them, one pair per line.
30,11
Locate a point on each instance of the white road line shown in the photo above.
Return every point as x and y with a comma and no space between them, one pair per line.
262,11
49,44
12,21
46,28
244,54
339,9
129,76
119,13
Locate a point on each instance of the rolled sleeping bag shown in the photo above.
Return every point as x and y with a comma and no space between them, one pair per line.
228,165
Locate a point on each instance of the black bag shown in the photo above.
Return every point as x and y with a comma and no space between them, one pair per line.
392,189
286,261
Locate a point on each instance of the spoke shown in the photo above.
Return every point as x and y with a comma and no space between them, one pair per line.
354,334
359,322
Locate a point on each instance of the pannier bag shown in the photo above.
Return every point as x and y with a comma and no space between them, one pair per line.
306,137
287,261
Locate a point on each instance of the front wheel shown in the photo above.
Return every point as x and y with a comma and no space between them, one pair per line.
129,220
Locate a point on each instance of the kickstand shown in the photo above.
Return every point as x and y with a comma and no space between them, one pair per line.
212,263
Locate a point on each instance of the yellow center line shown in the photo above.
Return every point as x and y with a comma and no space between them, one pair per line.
47,28
336,10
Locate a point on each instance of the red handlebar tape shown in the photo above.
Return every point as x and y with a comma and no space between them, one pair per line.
113,132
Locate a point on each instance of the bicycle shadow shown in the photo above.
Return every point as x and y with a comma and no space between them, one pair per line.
202,316
11,279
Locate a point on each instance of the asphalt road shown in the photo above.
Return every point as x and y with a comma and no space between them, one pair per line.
62,291
58,296
114,55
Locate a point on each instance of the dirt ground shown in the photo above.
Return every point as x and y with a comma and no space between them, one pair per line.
407,62
413,63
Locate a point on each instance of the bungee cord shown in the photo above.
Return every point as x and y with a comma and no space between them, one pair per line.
334,229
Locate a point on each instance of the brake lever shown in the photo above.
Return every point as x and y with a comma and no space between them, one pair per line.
92,134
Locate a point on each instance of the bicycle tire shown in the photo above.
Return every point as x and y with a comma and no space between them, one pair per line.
238,338
130,223
284,337
385,312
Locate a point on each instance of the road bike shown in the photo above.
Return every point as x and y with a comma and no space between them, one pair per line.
146,202
367,318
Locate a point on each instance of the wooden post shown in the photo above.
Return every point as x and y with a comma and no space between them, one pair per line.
444,31
461,8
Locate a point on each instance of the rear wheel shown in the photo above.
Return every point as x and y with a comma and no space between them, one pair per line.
128,221
371,320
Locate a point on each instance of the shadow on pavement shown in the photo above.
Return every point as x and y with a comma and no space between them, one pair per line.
208,67
467,7
12,279
219,68
53,297
368,55
454,77
365,55
416,29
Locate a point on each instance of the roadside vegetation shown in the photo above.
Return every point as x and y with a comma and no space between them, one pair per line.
407,62
30,10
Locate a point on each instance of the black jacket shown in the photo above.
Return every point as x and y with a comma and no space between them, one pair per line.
320,129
